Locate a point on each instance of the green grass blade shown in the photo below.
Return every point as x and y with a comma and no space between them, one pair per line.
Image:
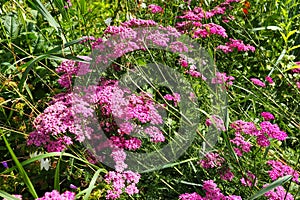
28,68
273,185
92,183
7,196
60,48
273,28
46,14
47,155
21,169
56,177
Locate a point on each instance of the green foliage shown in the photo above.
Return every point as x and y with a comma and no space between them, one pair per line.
36,35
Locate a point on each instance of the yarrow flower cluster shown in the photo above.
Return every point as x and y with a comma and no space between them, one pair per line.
222,78
216,121
258,82
279,170
175,98
278,193
267,116
267,130
70,68
214,160
62,116
191,69
211,192
235,44
155,8
269,79
120,182
242,145
211,160
67,195
210,29
249,180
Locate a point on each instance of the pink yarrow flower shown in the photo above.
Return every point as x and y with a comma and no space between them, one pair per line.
278,193
269,79
155,8
249,180
267,116
258,82
279,170
211,160
67,195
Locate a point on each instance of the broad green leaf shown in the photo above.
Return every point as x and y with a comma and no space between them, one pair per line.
12,25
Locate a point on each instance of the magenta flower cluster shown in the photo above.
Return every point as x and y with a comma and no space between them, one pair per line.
278,193
216,121
214,160
249,180
59,119
211,192
155,8
279,170
235,44
54,195
267,116
258,82
211,160
173,97
241,144
267,130
121,182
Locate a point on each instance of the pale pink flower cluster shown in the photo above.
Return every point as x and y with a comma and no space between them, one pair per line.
222,78
121,181
217,122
